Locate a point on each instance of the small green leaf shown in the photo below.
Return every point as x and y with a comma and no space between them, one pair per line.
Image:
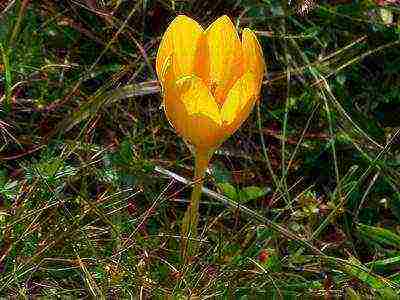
382,236
251,193
228,190
355,268
385,264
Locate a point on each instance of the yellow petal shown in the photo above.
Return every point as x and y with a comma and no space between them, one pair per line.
197,98
202,59
180,39
192,111
225,57
253,56
239,102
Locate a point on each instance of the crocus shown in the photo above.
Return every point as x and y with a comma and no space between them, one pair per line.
210,81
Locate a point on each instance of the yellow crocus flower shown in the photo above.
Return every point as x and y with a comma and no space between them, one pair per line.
210,79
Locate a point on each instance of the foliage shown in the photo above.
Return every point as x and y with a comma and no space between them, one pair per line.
303,201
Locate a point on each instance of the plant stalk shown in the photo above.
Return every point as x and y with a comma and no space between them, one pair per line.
191,219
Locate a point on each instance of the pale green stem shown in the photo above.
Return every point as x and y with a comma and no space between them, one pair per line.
191,219
201,164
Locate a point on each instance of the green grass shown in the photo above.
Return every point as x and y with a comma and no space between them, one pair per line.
303,201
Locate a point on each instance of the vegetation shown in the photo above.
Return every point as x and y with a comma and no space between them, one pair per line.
303,200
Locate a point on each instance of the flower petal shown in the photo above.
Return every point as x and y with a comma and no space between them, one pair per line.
192,111
225,57
180,39
197,98
202,60
239,102
253,56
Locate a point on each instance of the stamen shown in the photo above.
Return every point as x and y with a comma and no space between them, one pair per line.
213,87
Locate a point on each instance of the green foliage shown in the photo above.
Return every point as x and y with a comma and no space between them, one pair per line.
304,199
242,195
381,236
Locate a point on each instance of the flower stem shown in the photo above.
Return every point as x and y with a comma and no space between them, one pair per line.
189,229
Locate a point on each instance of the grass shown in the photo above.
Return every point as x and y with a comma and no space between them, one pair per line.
303,201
